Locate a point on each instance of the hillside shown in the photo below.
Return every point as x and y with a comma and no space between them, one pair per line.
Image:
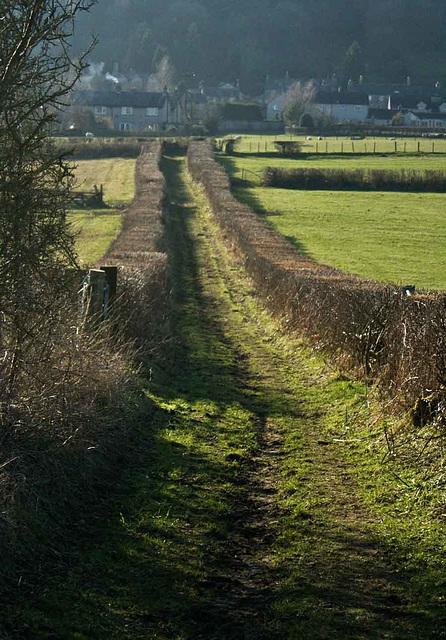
228,41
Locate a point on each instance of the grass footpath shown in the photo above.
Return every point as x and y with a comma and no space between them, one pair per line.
256,507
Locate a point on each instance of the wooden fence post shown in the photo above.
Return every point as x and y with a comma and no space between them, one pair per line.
96,295
110,287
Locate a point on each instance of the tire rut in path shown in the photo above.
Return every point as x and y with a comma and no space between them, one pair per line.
237,594
351,589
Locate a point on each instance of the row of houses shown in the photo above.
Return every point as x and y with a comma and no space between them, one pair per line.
139,111
380,104
126,110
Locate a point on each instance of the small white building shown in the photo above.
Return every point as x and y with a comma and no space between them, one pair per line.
275,107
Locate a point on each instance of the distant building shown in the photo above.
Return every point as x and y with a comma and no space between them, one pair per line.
129,110
275,107
379,94
223,94
341,106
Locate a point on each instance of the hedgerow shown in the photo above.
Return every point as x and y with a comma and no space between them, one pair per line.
373,329
70,397
355,180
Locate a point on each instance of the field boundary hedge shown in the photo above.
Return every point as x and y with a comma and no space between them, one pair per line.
68,427
355,180
140,252
372,328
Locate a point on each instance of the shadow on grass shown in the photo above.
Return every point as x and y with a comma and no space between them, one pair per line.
165,557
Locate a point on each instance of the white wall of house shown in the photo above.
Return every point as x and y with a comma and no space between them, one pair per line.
344,112
275,107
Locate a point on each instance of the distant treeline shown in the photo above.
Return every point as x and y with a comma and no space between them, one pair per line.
220,41
355,180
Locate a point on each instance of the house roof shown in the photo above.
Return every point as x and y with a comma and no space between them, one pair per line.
223,91
375,89
137,99
423,115
340,97
383,114
398,101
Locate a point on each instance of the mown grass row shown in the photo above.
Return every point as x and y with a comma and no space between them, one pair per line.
372,328
355,180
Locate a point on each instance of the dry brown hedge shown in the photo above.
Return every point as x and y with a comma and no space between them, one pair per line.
139,251
68,414
371,328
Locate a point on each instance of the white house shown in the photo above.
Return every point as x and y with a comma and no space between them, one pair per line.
274,108
341,106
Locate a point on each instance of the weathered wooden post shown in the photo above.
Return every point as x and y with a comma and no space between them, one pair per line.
96,295
111,284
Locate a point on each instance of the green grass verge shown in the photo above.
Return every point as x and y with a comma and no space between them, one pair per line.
95,231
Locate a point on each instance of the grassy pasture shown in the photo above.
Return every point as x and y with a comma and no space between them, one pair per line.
96,229
344,145
115,174
255,164
395,237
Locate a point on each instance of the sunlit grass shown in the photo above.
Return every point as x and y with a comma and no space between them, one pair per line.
396,237
95,231
115,174
344,145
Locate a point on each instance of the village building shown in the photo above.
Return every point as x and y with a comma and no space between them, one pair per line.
129,110
341,106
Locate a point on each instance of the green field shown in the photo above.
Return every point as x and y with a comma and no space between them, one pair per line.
394,237
115,174
337,145
96,229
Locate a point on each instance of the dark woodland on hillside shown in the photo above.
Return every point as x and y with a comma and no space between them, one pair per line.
214,40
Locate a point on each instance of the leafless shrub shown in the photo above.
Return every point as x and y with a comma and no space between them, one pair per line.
68,398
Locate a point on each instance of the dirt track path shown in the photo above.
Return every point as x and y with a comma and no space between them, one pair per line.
339,580
239,519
